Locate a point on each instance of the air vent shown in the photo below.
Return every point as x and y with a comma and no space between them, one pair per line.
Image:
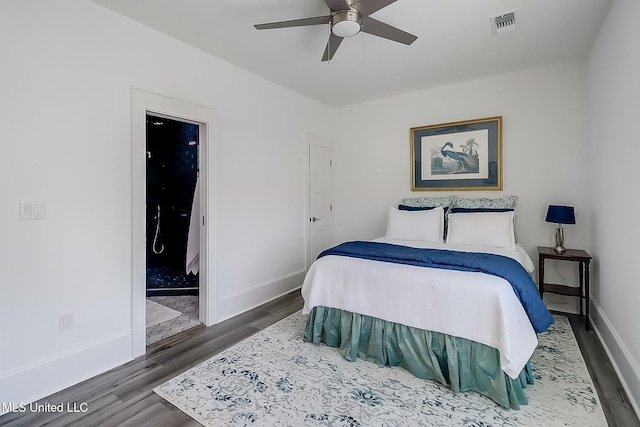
504,22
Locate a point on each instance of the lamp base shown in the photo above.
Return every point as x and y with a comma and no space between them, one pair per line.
559,248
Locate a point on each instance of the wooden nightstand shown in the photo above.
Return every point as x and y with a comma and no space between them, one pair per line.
582,291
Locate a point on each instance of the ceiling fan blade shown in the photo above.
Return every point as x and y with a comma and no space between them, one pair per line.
386,31
332,46
336,5
367,7
318,20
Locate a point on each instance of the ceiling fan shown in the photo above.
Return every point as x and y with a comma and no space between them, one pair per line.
348,18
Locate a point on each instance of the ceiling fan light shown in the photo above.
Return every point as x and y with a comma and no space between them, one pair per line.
346,24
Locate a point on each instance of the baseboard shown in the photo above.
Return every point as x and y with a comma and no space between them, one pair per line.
621,360
238,303
50,376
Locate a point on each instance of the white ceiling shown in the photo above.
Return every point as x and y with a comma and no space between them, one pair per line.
455,42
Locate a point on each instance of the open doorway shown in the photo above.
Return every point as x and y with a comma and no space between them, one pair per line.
146,103
172,218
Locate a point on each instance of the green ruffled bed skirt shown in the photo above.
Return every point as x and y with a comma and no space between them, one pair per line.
461,364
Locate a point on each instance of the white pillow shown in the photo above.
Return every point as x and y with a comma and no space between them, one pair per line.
427,225
481,228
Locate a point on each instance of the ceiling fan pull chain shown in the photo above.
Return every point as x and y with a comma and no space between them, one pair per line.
329,46
362,47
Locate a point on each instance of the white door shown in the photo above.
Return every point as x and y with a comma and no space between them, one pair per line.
320,200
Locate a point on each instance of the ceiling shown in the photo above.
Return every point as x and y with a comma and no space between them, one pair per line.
455,41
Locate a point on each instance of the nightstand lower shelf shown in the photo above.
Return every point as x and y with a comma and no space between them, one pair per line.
563,290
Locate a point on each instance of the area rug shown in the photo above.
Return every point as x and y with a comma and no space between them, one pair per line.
275,379
158,313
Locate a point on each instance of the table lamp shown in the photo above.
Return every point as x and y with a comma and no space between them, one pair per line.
560,215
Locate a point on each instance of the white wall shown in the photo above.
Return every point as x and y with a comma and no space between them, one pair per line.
66,74
614,91
544,150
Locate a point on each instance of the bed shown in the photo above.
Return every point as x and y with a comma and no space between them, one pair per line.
446,293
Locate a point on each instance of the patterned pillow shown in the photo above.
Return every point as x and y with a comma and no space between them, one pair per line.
430,202
509,202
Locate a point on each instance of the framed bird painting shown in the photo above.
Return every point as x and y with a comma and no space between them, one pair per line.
465,155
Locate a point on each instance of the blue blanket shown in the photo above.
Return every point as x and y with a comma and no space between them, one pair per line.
497,265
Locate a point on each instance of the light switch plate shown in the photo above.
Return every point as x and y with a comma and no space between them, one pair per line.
32,209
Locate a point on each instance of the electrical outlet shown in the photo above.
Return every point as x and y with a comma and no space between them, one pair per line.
65,322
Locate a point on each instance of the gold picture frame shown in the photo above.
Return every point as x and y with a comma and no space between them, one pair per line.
457,156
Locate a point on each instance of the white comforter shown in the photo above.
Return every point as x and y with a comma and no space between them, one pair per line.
475,306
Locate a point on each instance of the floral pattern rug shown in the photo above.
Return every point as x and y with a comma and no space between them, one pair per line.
275,379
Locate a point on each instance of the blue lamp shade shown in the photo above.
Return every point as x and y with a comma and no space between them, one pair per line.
561,214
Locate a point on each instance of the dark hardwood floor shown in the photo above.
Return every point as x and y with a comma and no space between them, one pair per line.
615,403
124,396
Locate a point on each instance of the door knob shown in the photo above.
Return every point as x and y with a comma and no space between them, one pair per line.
314,219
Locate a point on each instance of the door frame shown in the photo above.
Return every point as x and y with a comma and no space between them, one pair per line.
144,103
326,143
